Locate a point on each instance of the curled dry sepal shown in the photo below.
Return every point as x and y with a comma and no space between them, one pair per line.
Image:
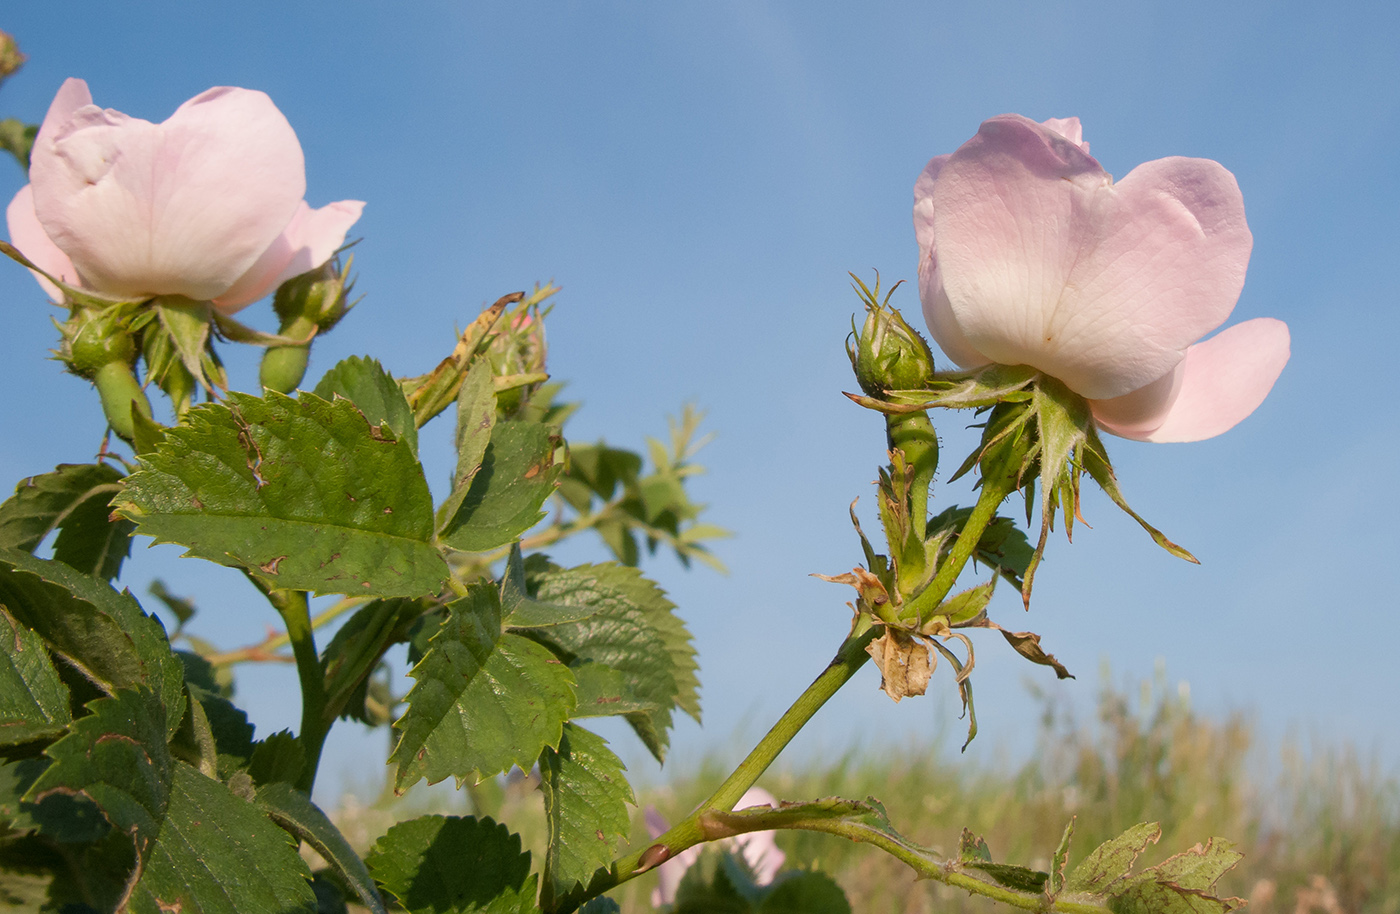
1102,881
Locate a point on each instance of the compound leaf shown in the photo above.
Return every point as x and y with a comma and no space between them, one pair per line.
504,496
441,864
585,801
33,700
72,499
304,494
294,811
198,847
485,698
100,631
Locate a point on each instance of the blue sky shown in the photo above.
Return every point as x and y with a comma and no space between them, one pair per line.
699,177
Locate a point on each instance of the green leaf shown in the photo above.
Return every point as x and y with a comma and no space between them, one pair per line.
280,758
349,661
294,811
375,393
622,635
1057,863
229,727
609,586
33,701
520,610
601,468
972,849
605,692
303,493
1199,868
200,848
585,799
699,893
441,864
1165,898
72,499
485,699
476,418
601,905
60,817
101,632
806,893
1020,878
1110,862
503,500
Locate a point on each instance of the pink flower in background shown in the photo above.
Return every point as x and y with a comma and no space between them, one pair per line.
207,205
758,848
1030,254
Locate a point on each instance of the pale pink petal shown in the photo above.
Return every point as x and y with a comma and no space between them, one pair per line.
308,241
1221,381
923,202
941,324
938,314
71,96
33,242
656,822
184,207
1047,263
1137,414
758,848
1069,128
762,855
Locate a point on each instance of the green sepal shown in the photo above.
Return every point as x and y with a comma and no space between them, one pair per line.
74,294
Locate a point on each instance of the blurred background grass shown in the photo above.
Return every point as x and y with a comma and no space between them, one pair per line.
1319,826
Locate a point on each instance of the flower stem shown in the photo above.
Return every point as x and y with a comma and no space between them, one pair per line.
294,608
848,660
918,859
993,493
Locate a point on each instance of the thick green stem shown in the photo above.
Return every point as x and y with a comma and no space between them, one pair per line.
914,436
294,608
120,393
920,860
283,367
848,660
993,493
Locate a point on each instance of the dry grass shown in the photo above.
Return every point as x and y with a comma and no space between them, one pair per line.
1323,836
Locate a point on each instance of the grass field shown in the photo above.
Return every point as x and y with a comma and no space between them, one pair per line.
1320,833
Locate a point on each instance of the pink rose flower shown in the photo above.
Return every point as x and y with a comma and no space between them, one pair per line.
1031,254
758,849
207,205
